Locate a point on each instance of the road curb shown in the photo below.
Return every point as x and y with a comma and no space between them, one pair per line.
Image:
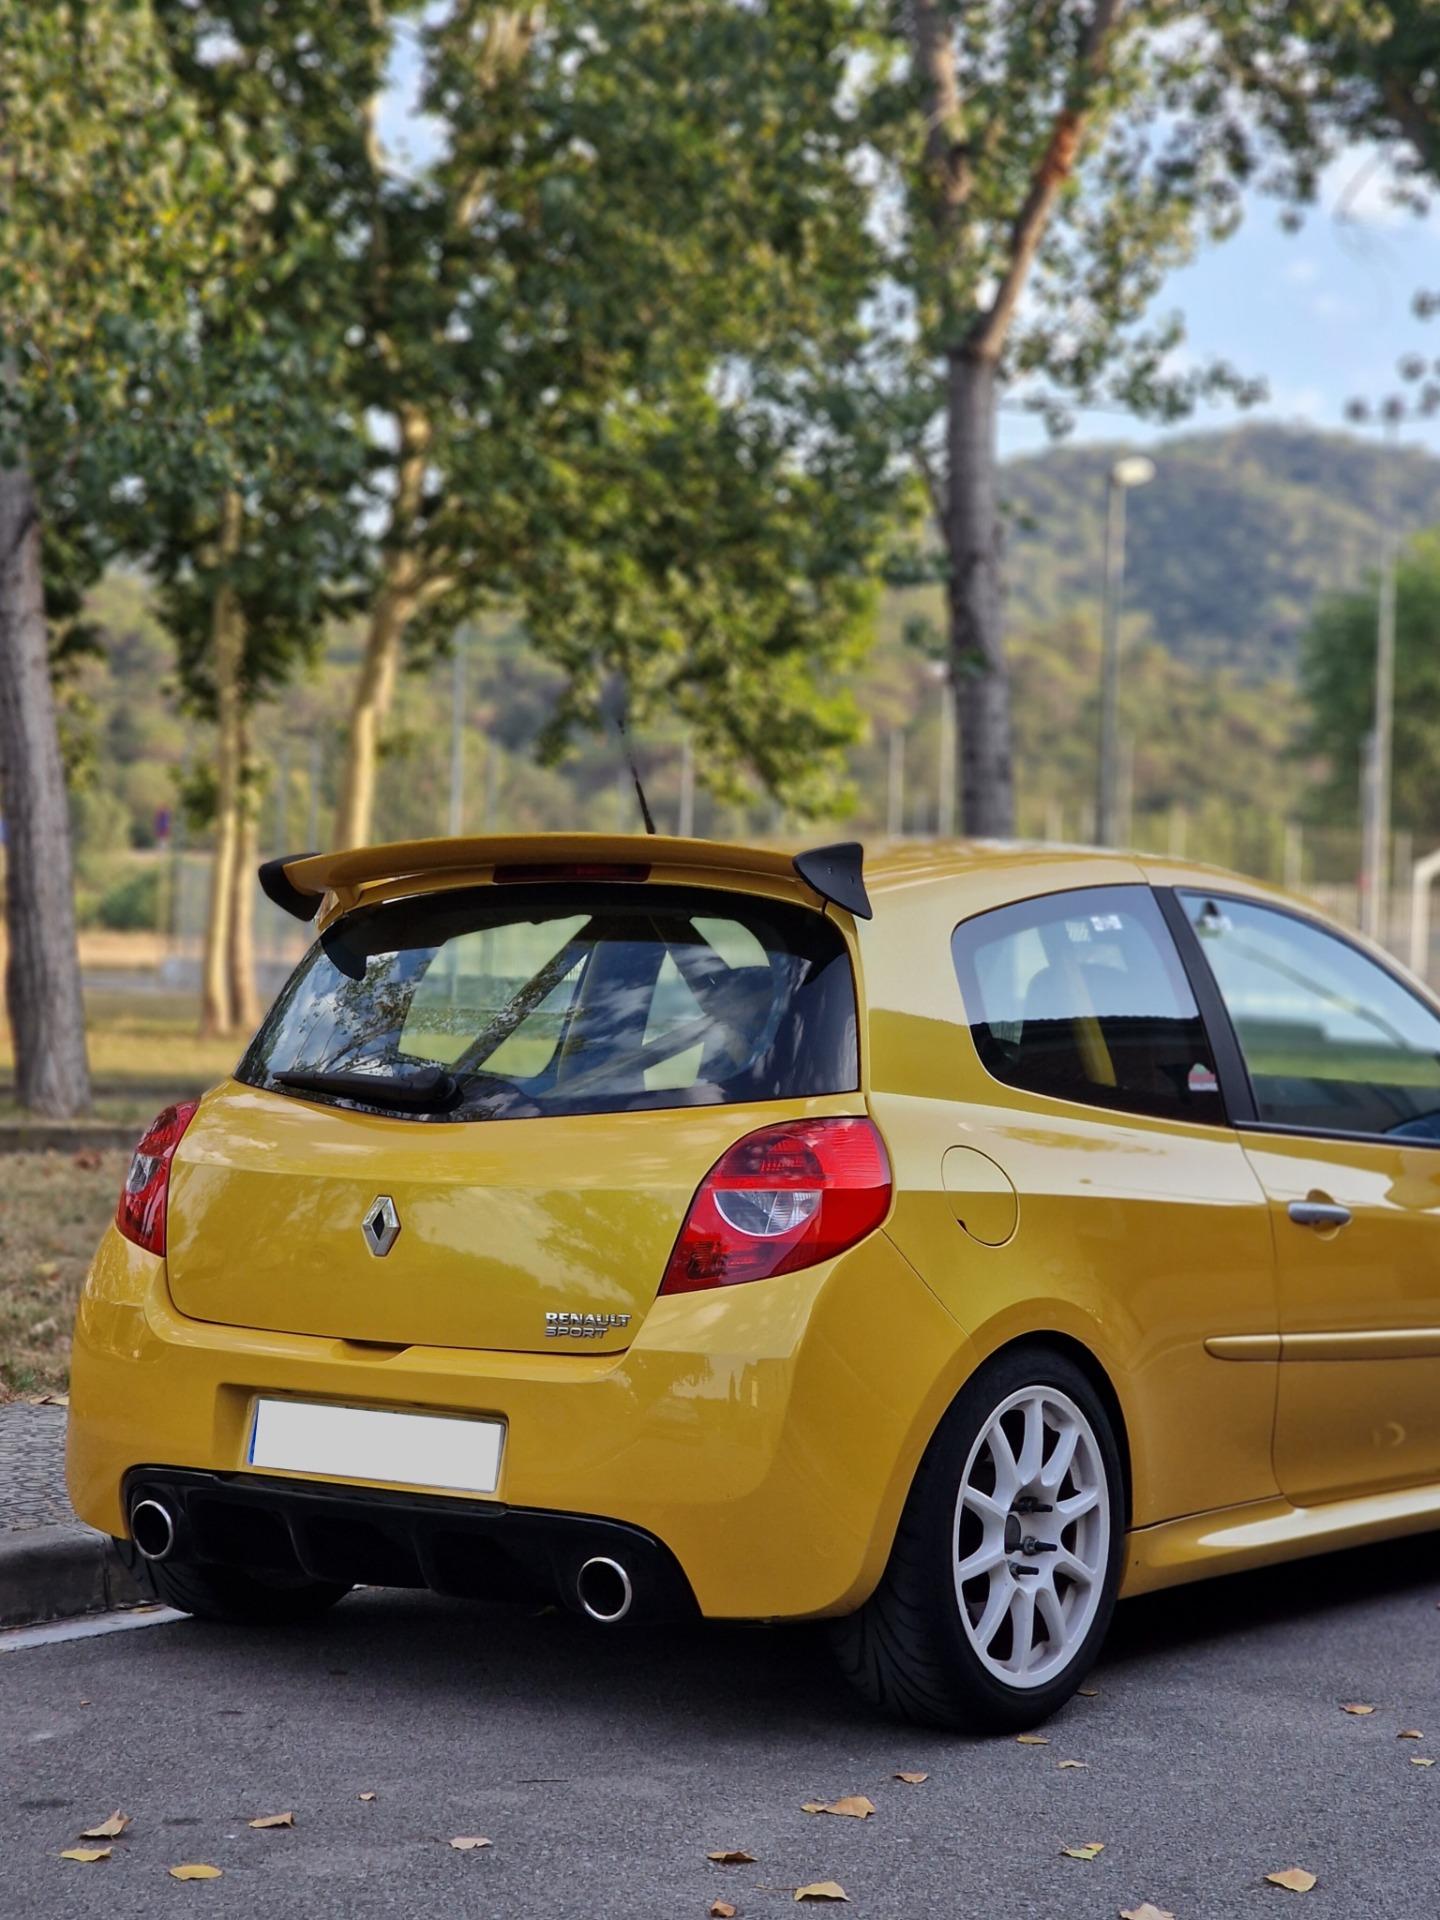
55,1573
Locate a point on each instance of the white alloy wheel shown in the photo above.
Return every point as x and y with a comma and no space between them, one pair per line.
1031,1537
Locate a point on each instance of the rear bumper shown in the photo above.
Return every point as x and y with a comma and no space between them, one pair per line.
764,1436
470,1549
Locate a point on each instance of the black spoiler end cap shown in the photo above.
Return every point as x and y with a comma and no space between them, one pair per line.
837,873
276,885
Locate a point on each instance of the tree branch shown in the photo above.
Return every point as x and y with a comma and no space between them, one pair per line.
987,337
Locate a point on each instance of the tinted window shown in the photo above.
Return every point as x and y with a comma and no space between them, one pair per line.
1082,996
540,1000
1330,1039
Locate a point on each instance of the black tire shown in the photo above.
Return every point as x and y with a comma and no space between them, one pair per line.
236,1595
907,1650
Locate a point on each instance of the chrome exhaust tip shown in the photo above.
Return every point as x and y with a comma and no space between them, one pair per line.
152,1528
604,1591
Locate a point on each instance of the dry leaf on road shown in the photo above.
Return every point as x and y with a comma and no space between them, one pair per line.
1355,1706
822,1890
364,1796
854,1805
1067,1765
467,1843
274,1820
732,1857
722,1910
1417,1761
1295,1878
87,1856
107,1829
1409,1733
1147,1911
912,1779
1032,1739
1086,1851
1088,1693
195,1870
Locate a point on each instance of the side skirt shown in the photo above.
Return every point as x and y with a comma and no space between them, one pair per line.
1258,1535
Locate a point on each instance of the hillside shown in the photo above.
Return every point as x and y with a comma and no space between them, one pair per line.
1228,546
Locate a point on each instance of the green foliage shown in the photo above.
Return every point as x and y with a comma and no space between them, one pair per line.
1337,673
132,904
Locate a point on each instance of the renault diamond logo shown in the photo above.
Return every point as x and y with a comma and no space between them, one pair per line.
381,1225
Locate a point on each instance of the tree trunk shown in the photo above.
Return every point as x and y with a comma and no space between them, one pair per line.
395,607
370,707
42,977
227,644
244,996
979,679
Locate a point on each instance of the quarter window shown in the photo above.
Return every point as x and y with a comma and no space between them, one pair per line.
1082,996
1330,1039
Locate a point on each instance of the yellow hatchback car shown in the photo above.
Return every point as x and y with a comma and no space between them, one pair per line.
940,1248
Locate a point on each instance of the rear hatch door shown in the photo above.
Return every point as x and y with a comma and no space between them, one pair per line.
602,1046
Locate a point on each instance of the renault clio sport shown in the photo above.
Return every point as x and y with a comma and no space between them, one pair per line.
941,1248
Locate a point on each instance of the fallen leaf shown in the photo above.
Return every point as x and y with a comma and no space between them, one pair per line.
1146,1912
274,1820
466,1844
822,1890
1417,1761
364,1796
87,1856
722,1910
1066,1765
109,1829
46,1269
1354,1706
1032,1739
1410,1733
1088,1693
732,1857
912,1779
854,1805
195,1872
1086,1851
1296,1878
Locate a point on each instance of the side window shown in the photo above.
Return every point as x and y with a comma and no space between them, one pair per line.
1331,1040
1082,996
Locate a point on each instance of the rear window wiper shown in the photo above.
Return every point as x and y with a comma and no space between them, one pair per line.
425,1090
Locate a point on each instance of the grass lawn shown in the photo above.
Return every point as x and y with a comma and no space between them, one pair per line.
150,1037
55,1207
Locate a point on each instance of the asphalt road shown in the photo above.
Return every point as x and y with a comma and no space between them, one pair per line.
604,1766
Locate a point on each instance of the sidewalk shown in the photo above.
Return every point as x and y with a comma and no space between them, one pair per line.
51,1566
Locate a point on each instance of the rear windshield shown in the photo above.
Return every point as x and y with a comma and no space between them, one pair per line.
544,999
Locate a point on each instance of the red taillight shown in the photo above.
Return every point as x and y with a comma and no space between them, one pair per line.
140,1215
783,1198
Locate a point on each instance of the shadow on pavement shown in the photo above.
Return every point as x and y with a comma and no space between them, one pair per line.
1304,1589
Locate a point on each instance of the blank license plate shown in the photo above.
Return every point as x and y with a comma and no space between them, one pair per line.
366,1443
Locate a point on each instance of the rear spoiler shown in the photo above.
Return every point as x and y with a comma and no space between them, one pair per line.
299,882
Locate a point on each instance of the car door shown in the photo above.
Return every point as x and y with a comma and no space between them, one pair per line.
1341,1061
1079,1143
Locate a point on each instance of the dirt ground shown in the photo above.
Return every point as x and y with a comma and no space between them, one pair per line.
53,1209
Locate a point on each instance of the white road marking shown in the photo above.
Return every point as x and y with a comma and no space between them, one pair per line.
21,1639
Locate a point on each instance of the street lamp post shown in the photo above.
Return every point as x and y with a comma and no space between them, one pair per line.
1132,471
1423,403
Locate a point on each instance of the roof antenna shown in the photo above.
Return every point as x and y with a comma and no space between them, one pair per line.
616,703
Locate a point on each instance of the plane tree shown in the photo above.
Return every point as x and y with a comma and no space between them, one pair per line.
1045,168
105,205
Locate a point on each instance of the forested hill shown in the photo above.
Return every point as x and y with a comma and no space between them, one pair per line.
1228,546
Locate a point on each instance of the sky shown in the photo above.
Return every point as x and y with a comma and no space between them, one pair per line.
1320,315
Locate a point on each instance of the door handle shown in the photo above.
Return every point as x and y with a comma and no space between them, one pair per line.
1318,1213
